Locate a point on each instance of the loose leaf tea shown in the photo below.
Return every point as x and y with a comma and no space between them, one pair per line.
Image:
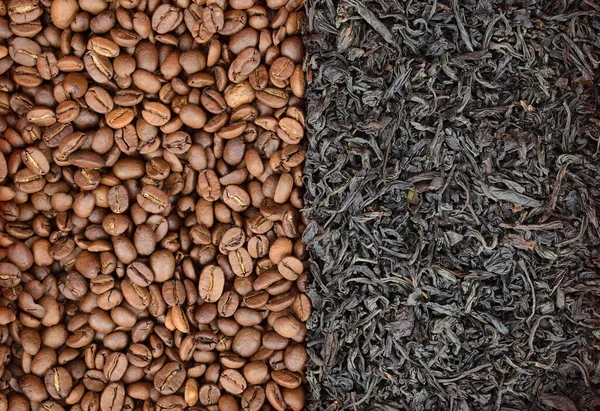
151,157
452,194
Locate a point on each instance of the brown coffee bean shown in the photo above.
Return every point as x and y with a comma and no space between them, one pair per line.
58,382
208,185
67,111
228,303
282,68
244,64
166,18
192,61
290,267
272,97
258,246
178,142
86,159
274,396
209,394
115,366
241,262
170,378
193,116
156,114
7,316
213,101
233,239
239,94
235,20
41,116
153,200
253,398
211,283
297,82
236,198
33,388
98,67
118,199
286,378
295,398
119,117
302,307
290,130
280,302
213,18
201,80
295,357
35,160
113,397
139,355
128,97
287,326
232,381
247,342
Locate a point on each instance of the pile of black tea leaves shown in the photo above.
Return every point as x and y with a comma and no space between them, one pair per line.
452,192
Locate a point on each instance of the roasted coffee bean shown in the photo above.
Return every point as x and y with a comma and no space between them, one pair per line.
211,283
247,342
253,398
35,160
209,394
232,381
153,200
112,397
166,18
58,382
170,378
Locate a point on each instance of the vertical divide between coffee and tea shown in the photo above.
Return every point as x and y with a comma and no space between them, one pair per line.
150,192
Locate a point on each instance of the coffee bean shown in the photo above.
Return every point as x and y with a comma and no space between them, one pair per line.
297,82
209,394
295,398
153,200
235,20
165,18
58,382
118,199
213,18
302,307
274,396
208,185
236,198
247,342
241,262
170,377
115,366
213,101
239,94
156,114
211,283
244,64
128,97
253,398
63,13
272,97
232,381
33,388
112,397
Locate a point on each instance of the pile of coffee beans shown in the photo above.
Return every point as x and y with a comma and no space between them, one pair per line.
150,188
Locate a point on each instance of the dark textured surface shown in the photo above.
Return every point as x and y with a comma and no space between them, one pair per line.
452,188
